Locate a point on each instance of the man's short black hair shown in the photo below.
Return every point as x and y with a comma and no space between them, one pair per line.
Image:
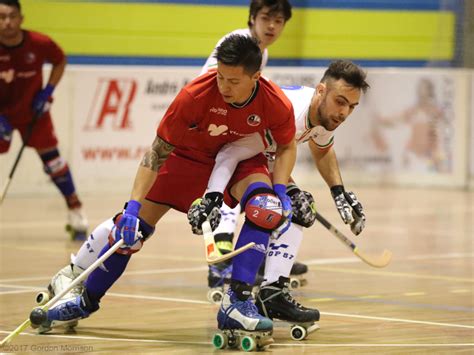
15,3
351,73
239,50
275,6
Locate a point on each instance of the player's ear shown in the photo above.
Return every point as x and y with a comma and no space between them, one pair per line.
321,89
257,75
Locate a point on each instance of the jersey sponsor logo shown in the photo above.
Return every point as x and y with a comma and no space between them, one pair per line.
7,75
4,58
26,74
112,104
254,120
219,111
217,130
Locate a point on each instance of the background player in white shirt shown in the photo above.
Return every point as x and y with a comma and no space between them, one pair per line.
266,22
318,112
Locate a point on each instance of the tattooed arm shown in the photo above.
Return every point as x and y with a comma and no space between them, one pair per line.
148,169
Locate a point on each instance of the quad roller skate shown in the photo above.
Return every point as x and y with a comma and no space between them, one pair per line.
240,325
77,224
275,302
219,274
59,282
297,275
218,277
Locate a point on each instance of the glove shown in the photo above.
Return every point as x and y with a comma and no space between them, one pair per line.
127,226
304,207
41,98
207,208
349,208
6,129
280,191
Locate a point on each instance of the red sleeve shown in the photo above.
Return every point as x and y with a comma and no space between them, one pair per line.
283,127
49,49
178,119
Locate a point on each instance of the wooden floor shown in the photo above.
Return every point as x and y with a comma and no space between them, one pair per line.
421,303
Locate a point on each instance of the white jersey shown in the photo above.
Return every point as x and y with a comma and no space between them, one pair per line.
211,62
300,97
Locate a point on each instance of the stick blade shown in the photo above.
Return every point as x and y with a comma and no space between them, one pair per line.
378,261
218,259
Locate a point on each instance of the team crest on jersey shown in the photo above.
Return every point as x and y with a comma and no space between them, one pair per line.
254,120
30,57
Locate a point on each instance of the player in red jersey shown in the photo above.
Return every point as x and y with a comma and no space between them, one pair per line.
22,97
214,109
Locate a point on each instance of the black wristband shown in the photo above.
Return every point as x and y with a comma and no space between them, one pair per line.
336,190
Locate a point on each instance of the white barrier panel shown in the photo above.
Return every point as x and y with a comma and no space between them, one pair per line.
410,128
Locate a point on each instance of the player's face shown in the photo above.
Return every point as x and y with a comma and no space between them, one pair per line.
10,22
234,84
267,27
337,101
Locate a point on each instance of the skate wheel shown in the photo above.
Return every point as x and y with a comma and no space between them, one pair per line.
298,332
42,298
295,283
215,296
219,340
248,343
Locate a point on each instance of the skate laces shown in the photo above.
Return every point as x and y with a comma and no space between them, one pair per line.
285,291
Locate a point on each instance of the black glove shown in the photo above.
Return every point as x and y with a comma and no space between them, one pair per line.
304,207
207,208
349,208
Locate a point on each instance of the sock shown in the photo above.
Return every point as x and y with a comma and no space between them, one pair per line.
56,167
281,254
246,264
102,278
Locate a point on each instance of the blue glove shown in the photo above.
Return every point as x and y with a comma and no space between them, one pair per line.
280,191
127,226
6,129
41,98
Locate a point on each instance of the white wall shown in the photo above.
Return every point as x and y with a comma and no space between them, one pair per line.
107,116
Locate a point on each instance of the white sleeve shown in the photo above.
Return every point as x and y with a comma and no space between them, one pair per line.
229,157
211,62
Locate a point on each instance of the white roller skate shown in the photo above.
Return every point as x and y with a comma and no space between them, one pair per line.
240,324
59,282
218,277
77,224
276,302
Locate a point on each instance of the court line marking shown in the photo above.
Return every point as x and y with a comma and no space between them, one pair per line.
305,345
396,274
183,300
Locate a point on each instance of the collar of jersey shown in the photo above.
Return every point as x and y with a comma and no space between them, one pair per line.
250,99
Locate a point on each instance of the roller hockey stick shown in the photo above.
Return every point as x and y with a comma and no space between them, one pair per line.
213,256
372,260
17,160
57,297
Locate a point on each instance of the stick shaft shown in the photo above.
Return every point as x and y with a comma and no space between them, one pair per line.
17,160
57,297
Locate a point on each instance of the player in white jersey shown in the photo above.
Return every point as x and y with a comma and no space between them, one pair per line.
318,112
267,19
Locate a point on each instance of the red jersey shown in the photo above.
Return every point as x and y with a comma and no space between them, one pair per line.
21,74
199,122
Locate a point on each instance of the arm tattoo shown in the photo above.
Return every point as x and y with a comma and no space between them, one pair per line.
156,156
